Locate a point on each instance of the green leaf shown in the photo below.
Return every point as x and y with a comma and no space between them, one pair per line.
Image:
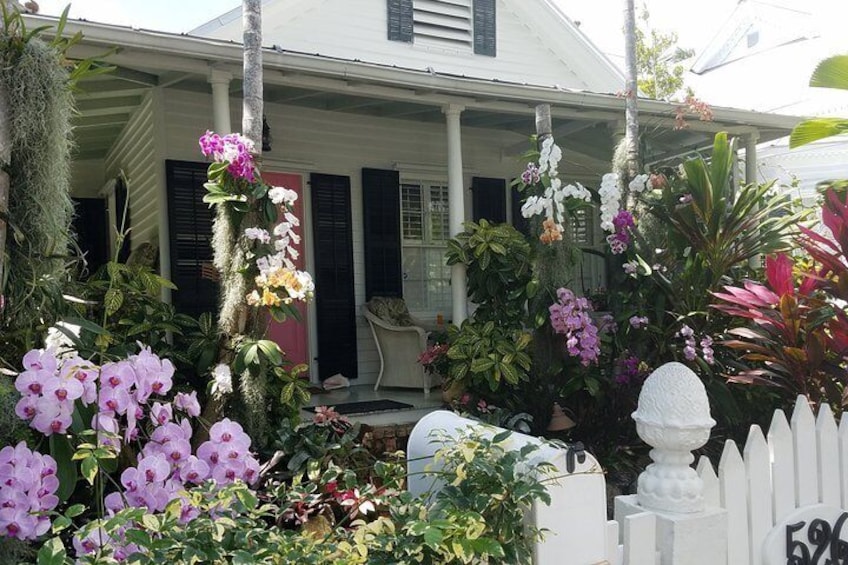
287,393
815,129
219,198
113,300
271,350
216,170
75,510
433,537
52,552
247,498
86,325
831,73
243,558
251,354
115,269
269,209
481,365
150,522
487,546
89,469
66,469
60,523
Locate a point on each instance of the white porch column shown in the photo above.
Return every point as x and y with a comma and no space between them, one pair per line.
220,81
751,139
751,157
456,204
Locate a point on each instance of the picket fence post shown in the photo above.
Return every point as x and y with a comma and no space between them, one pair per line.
673,416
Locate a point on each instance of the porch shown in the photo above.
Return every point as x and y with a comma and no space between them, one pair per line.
420,404
331,120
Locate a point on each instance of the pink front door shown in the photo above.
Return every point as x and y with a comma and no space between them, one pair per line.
292,335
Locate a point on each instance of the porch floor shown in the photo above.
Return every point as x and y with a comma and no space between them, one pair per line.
421,404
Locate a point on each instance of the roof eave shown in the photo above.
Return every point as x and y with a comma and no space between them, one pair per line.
207,52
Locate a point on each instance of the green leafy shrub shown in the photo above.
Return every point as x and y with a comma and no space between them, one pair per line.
328,440
498,265
477,516
484,354
491,348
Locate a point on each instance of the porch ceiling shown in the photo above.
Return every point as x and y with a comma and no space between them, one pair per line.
104,106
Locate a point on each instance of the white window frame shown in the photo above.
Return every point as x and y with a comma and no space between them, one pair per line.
427,242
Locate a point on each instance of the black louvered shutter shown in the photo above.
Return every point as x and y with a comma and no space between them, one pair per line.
335,308
400,20
488,199
485,28
381,227
519,222
190,222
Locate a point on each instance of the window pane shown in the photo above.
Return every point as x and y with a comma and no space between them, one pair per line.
439,230
425,228
438,280
412,212
414,271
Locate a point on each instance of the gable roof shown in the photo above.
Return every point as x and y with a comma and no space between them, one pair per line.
755,26
537,43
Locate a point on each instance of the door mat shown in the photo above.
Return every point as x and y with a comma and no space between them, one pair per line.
366,407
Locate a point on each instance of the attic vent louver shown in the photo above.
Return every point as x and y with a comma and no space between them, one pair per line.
446,23
459,25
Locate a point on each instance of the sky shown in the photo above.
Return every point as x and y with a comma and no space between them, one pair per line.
601,20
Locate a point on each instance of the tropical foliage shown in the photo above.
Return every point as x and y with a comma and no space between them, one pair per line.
830,73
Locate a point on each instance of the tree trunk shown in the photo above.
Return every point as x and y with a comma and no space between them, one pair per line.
553,269
251,123
242,319
631,91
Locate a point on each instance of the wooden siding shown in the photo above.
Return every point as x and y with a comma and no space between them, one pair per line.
307,140
135,154
358,31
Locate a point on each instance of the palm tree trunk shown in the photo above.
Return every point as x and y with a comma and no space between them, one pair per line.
631,91
251,123
242,319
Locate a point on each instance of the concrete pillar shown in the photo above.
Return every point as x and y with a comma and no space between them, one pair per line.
220,81
456,205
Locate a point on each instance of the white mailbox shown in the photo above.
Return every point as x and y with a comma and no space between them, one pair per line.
576,518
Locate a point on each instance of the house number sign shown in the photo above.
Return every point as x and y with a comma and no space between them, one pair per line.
815,535
816,542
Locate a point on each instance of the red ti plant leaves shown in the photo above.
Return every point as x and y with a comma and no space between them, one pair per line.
796,338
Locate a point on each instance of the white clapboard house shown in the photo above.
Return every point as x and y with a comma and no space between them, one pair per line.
384,115
768,50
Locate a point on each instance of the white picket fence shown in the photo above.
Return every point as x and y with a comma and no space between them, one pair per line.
781,500
796,466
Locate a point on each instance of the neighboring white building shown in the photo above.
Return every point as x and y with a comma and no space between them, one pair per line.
363,101
762,59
